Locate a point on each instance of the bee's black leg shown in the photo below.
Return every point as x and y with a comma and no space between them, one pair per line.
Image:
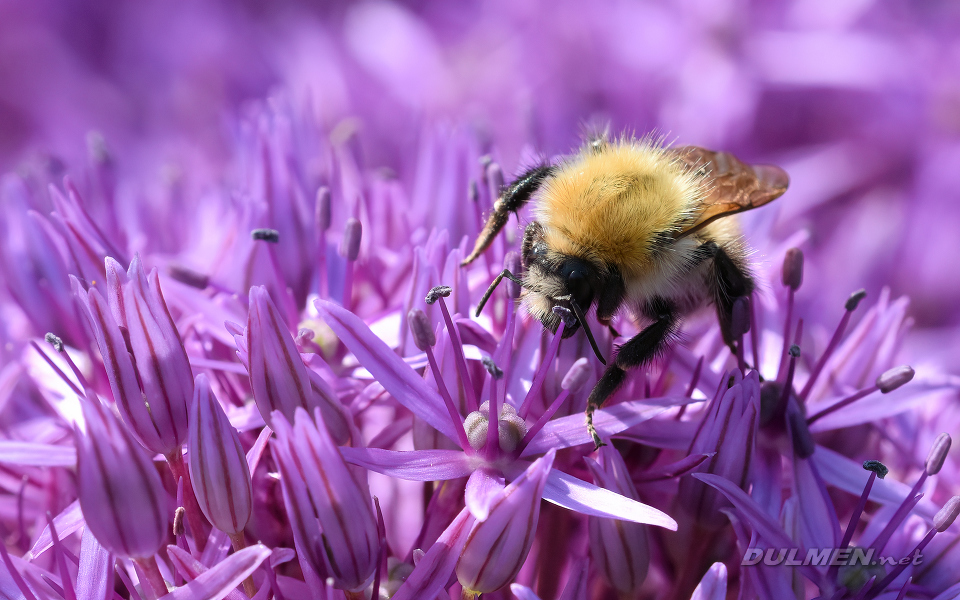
638,350
730,281
512,198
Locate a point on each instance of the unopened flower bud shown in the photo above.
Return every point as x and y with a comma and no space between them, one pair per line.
278,377
423,335
120,492
437,292
947,515
322,214
330,511
497,547
218,464
938,454
350,243
854,300
578,374
620,549
792,271
894,378
266,235
876,467
146,363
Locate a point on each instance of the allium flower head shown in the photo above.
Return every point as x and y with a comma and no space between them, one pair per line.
224,218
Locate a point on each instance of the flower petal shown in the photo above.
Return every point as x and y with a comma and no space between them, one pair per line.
34,454
414,465
95,572
401,381
220,580
569,492
432,573
482,487
713,586
571,431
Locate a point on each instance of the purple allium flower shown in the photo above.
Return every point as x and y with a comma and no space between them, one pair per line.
314,171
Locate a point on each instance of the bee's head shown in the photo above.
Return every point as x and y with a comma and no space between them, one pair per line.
552,280
561,281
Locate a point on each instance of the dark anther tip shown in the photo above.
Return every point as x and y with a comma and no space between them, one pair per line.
854,300
440,291
877,467
266,235
795,351
491,367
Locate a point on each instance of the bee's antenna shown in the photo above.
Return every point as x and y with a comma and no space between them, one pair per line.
486,295
586,329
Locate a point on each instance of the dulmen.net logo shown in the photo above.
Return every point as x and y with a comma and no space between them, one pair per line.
825,557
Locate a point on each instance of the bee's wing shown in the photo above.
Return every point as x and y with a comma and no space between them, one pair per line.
732,185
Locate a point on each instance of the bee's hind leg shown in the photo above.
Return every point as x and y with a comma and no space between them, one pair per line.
638,350
512,198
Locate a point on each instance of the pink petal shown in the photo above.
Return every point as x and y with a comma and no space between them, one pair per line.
95,573
68,521
570,431
482,487
219,581
713,586
414,465
575,494
400,380
34,454
432,573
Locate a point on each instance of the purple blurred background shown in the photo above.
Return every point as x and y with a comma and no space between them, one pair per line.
859,100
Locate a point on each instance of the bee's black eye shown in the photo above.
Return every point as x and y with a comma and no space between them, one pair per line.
578,284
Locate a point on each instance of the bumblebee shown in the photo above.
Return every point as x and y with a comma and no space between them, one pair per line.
632,224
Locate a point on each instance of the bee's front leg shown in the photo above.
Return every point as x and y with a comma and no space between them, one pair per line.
638,350
730,282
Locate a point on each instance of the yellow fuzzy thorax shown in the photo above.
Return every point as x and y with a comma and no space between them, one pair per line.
611,204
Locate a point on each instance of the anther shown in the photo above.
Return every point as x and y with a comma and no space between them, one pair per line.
875,466
947,515
938,454
792,271
440,291
854,300
266,235
577,376
894,378
322,215
566,315
491,367
188,276
350,244
423,335
54,341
